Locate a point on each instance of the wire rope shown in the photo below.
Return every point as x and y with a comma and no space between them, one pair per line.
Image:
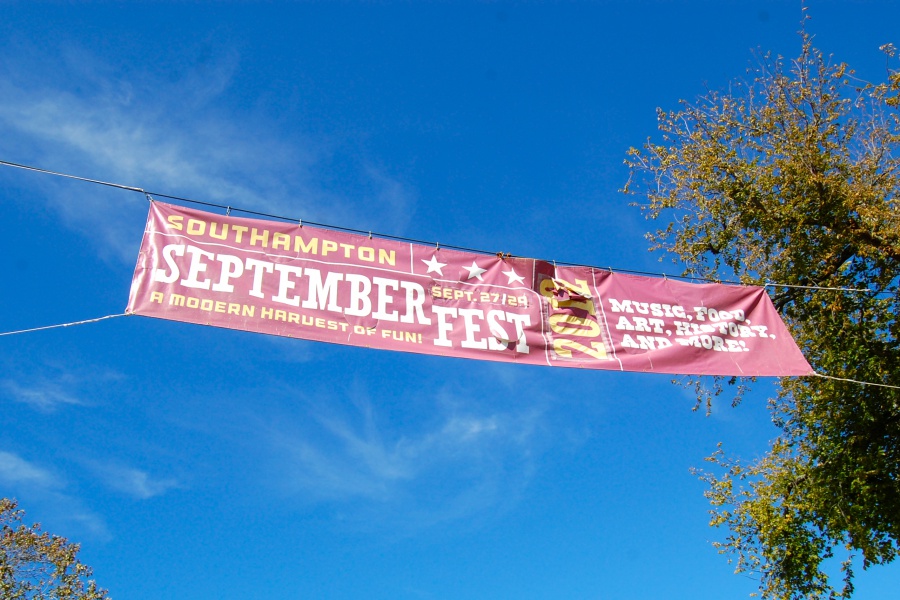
73,323
149,195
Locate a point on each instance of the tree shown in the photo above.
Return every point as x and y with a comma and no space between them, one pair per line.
793,177
38,566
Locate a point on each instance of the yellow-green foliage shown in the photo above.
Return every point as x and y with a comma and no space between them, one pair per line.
793,177
35,565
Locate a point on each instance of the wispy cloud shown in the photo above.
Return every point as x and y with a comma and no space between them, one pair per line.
132,481
53,384
462,463
14,471
43,487
290,350
69,111
52,493
45,396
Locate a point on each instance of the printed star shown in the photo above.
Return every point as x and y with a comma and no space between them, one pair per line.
475,271
434,266
514,277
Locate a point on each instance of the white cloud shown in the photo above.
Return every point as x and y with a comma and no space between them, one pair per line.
289,350
55,382
131,481
343,463
44,491
44,396
462,464
15,471
73,113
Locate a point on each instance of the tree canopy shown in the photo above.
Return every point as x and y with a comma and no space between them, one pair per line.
36,565
792,177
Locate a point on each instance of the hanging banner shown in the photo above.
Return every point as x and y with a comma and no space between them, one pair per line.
293,280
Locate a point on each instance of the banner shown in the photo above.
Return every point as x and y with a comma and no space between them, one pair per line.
293,280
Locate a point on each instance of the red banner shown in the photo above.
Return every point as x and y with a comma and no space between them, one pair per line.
293,280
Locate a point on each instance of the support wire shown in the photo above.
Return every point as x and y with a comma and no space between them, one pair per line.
369,234
44,328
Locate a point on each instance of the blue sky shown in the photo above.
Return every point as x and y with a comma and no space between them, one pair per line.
193,462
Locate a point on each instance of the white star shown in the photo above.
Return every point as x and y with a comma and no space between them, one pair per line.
475,271
514,277
434,266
